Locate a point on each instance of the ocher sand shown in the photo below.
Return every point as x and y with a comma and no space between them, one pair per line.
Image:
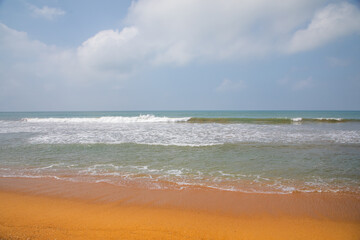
45,209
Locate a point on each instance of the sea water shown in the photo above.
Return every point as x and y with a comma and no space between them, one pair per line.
247,151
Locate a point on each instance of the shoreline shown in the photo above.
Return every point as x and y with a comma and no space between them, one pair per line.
49,209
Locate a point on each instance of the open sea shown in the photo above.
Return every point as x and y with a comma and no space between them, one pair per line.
247,151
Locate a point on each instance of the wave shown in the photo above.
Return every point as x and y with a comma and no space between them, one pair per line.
179,182
155,119
271,120
138,119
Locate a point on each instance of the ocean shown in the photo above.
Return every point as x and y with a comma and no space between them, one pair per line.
247,151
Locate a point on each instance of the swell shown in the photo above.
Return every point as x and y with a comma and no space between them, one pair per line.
163,119
270,120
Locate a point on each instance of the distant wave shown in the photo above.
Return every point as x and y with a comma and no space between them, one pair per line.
138,119
155,119
271,120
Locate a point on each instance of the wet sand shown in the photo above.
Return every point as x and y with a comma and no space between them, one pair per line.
53,209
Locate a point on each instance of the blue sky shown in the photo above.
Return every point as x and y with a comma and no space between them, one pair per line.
179,55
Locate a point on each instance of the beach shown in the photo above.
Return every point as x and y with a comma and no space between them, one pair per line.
180,120
52,209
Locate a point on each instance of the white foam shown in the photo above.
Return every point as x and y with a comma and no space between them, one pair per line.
98,169
296,119
175,172
50,166
29,176
138,119
329,119
151,130
176,176
225,174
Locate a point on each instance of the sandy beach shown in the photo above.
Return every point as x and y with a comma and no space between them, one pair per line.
180,120
52,209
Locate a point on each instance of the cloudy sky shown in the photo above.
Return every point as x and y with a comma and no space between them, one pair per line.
179,55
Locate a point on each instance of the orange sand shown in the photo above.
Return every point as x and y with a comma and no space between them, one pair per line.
55,214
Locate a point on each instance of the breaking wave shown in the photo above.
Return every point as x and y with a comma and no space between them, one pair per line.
271,120
138,119
155,119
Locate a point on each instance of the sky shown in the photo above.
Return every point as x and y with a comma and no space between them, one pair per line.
65,55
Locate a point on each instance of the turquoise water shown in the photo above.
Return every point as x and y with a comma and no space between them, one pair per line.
248,151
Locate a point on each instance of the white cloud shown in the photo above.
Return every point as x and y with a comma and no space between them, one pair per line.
182,31
328,24
205,30
179,32
110,50
23,60
230,86
46,12
19,54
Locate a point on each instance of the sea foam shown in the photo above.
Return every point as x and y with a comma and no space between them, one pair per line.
138,119
296,119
